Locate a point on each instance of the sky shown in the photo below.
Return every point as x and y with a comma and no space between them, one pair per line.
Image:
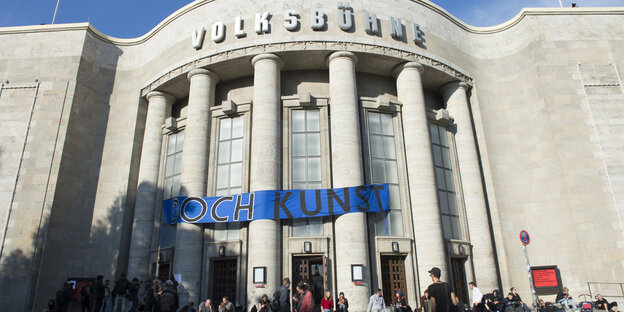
134,18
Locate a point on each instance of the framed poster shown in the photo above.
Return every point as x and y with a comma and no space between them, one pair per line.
259,275
357,272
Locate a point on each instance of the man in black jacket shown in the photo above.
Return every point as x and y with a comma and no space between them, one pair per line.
99,292
284,298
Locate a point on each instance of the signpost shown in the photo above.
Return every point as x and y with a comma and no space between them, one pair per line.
525,239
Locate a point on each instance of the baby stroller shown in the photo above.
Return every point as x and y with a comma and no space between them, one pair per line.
584,305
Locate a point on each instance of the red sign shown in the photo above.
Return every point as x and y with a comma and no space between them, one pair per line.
524,237
545,278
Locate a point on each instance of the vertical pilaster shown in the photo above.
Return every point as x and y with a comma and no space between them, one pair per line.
454,95
159,107
189,237
264,239
428,236
351,231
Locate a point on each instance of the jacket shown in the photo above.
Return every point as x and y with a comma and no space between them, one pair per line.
284,299
376,303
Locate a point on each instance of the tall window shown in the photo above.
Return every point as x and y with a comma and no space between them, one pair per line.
384,170
173,170
445,183
306,164
229,170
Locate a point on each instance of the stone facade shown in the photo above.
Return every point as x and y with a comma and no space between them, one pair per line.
530,112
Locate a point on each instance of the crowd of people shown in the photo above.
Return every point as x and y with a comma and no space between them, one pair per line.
162,296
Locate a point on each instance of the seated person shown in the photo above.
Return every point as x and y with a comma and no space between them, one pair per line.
603,304
400,304
566,301
510,304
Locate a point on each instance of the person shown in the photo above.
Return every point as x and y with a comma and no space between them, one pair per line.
188,307
400,304
566,301
376,302
477,296
284,296
106,303
62,298
495,302
541,305
459,305
51,306
342,304
519,300
425,302
121,290
264,304
603,304
510,304
206,306
85,297
327,304
149,298
440,293
133,294
227,305
305,298
98,292
168,300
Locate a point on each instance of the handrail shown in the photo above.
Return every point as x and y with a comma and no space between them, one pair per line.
621,295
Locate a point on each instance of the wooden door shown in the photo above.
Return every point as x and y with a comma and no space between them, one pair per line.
393,277
224,281
459,278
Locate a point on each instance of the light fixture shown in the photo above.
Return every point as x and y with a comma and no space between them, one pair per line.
307,247
221,251
395,246
461,249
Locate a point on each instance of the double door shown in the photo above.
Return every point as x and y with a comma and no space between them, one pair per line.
224,281
393,277
311,270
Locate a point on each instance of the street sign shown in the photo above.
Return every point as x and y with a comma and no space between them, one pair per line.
524,237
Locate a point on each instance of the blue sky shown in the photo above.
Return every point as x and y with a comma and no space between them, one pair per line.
133,18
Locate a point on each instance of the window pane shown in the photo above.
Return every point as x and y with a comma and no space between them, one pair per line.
179,141
396,221
235,190
167,235
446,227
395,197
374,124
169,165
452,202
299,144
446,155
455,226
386,124
233,231
444,208
223,173
313,120
378,171
437,156
314,144
315,227
222,192
314,169
237,150
298,170
450,183
314,185
444,137
167,188
225,130
440,178
376,146
381,224
177,167
389,151
175,187
224,152
298,121
237,127
220,233
299,186
391,172
300,227
171,144
435,135
235,174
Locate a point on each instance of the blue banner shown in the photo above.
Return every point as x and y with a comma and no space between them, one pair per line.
277,204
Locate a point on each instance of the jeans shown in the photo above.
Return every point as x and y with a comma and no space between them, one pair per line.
121,304
135,303
568,304
341,308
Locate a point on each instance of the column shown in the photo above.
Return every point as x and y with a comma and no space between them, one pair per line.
428,236
454,95
351,230
158,109
189,237
265,172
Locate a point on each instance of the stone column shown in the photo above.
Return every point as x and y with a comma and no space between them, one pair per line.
454,95
189,237
264,240
428,236
158,109
351,230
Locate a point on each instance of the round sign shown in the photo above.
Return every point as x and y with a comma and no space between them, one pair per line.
524,237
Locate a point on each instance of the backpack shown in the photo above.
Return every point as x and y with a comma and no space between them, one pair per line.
275,303
166,301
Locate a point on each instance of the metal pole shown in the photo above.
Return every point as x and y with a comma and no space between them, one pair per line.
528,264
56,9
560,4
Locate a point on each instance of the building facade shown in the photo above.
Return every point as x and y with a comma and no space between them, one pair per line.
479,132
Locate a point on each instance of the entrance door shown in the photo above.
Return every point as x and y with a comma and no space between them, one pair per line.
459,278
393,277
311,270
224,281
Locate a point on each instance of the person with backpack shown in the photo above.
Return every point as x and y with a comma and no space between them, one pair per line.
133,294
168,302
281,301
85,297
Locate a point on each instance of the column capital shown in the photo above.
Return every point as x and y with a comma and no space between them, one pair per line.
396,71
338,54
267,56
203,71
448,89
168,97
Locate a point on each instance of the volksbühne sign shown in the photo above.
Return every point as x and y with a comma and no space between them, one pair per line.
277,204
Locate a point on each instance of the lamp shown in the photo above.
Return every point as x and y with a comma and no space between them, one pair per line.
395,246
307,247
221,251
461,249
